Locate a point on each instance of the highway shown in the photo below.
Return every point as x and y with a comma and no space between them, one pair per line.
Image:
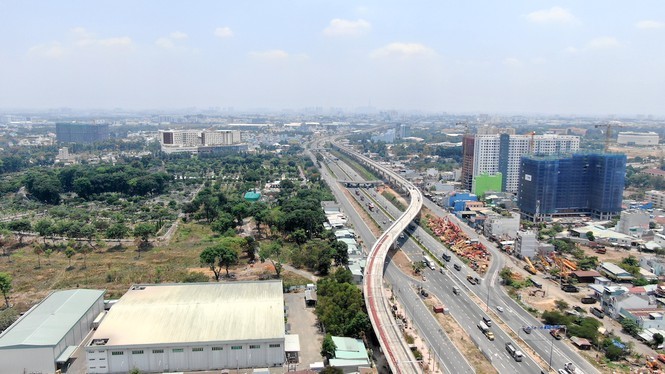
449,358
466,311
514,316
397,352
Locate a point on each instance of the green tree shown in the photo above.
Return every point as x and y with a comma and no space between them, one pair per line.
340,253
46,188
299,236
70,252
554,317
117,231
272,252
658,339
614,353
331,370
630,326
5,286
44,228
250,247
561,304
143,232
640,281
7,317
217,257
590,236
89,232
630,261
20,227
328,347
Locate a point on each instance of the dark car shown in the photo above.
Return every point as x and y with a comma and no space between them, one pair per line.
457,267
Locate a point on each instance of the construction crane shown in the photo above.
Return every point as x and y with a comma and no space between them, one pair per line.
608,132
532,142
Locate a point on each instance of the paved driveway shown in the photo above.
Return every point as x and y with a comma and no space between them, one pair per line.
303,322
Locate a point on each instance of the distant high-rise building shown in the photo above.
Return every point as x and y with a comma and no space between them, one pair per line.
402,131
81,132
500,153
468,143
196,141
551,186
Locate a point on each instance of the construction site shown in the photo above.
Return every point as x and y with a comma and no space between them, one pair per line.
546,262
467,249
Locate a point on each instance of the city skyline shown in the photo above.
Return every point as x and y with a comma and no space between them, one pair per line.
590,58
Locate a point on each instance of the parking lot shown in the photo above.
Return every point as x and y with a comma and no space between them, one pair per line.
302,321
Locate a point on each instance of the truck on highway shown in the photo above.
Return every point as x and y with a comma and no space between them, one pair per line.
428,262
486,330
446,256
370,206
514,352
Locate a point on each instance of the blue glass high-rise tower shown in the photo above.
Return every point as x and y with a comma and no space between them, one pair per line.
551,186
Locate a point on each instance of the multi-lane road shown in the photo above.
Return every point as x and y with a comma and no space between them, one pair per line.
448,358
465,307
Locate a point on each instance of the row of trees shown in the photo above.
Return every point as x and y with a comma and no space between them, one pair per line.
91,231
86,181
340,306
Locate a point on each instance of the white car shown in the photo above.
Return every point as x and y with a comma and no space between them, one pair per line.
499,308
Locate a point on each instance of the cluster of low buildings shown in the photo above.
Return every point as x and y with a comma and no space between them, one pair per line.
336,221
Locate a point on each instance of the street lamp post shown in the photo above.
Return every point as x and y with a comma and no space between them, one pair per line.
488,295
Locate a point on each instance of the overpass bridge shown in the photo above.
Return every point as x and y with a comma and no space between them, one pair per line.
392,342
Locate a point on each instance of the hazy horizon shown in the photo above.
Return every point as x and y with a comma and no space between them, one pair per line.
593,58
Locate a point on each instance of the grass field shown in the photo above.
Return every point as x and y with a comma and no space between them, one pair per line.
113,268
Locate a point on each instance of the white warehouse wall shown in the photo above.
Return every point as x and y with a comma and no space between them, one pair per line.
184,358
27,360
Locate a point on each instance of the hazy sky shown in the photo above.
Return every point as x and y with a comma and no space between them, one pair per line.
498,56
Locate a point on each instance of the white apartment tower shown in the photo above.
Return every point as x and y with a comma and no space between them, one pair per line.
220,137
501,153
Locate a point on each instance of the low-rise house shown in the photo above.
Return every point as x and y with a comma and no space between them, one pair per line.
584,276
654,265
499,226
613,306
614,272
350,354
357,268
649,318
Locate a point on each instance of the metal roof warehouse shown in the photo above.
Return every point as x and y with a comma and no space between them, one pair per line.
47,334
188,327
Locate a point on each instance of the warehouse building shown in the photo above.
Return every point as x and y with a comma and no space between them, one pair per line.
46,336
637,138
190,327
